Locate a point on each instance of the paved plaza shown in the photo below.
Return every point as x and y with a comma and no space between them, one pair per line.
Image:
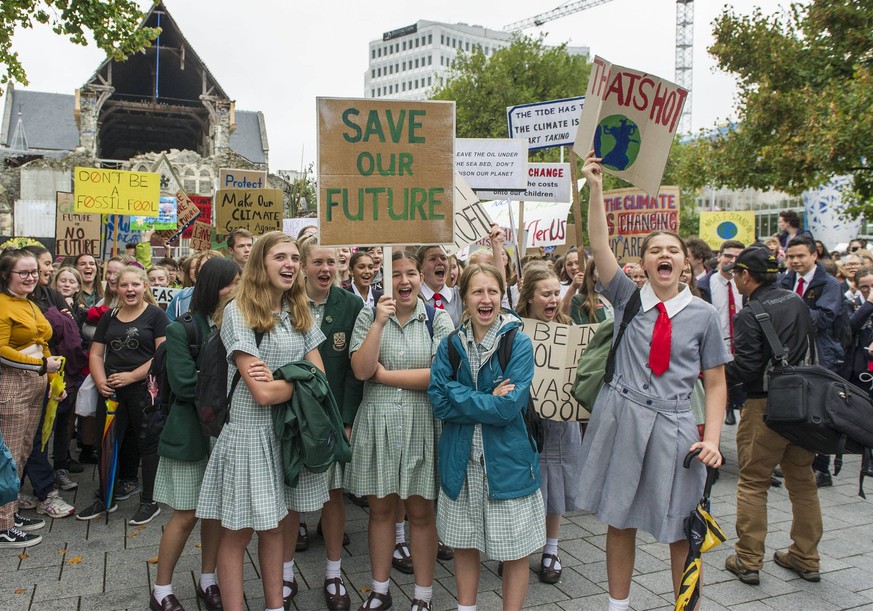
97,566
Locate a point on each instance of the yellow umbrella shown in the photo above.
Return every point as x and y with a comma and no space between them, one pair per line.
56,389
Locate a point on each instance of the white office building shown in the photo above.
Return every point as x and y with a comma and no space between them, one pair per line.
406,63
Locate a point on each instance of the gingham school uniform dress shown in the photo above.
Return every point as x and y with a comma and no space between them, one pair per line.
506,529
394,436
560,463
244,481
642,425
178,482
335,474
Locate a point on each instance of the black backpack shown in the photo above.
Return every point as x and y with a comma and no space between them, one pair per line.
155,415
533,422
211,396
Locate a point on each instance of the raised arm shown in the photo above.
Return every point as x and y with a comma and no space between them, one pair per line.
598,232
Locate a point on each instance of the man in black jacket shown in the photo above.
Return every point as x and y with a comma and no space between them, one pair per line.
760,449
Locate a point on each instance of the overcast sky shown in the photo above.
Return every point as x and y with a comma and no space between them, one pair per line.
277,57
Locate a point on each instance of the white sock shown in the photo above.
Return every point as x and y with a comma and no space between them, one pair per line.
206,580
551,547
287,575
424,593
381,587
276,609
332,571
399,533
161,592
466,607
303,520
619,605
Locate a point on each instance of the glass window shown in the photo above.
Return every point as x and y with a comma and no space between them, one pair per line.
468,45
373,54
404,45
442,39
404,66
428,81
429,60
429,38
404,86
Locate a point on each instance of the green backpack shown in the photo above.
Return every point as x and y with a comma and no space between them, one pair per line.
597,364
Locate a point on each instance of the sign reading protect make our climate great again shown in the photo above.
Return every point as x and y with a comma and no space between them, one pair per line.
104,191
385,171
630,119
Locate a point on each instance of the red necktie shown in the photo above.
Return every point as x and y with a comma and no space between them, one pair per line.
438,301
659,355
732,309
799,289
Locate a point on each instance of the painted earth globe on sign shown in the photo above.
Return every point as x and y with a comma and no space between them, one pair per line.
727,230
617,141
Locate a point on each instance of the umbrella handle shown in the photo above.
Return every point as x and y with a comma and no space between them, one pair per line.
711,473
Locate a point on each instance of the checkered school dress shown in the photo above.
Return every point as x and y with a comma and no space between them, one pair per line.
506,529
177,482
394,436
244,481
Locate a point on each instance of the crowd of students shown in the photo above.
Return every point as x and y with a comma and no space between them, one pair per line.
432,405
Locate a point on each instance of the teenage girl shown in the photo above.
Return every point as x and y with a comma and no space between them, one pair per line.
183,448
244,486
363,272
91,289
393,437
560,460
642,427
490,499
587,307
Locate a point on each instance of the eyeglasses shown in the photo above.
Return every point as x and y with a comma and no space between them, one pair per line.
25,274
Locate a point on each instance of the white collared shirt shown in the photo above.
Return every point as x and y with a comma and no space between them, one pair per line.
368,299
428,293
719,286
649,300
807,278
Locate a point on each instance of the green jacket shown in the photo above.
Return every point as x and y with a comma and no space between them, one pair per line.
309,427
340,313
182,438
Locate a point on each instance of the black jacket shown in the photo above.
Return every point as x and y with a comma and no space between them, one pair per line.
793,324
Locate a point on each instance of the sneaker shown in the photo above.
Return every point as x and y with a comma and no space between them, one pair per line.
27,501
823,479
787,561
95,510
746,575
126,489
28,524
74,466
145,514
17,538
63,481
54,506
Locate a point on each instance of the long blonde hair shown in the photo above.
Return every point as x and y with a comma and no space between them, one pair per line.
532,275
254,284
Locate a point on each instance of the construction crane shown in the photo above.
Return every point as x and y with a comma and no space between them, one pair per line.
684,41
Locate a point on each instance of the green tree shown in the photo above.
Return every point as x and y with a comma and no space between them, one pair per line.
113,25
805,94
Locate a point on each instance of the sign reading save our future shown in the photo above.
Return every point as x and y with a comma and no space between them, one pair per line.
385,171
104,191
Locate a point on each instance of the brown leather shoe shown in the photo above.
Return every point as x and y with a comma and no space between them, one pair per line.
385,599
286,602
211,597
336,601
444,552
302,539
169,603
404,563
787,561
550,573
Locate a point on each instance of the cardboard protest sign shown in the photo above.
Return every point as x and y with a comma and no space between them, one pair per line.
716,227
545,124
229,178
632,214
125,234
258,210
186,213
472,222
385,171
204,207
557,349
163,294
546,182
75,234
103,191
294,226
630,119
497,164
545,223
165,220
201,236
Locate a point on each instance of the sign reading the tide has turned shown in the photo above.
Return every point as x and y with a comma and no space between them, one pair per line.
102,191
385,171
258,210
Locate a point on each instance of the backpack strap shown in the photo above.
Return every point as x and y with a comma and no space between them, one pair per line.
504,347
431,314
633,306
780,352
454,357
192,332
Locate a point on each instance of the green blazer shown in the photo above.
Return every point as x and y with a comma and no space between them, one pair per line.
182,438
340,313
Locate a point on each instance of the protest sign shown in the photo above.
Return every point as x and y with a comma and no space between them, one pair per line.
385,171
186,213
164,221
204,207
630,119
546,182
294,226
75,234
545,124
557,349
716,227
632,214
229,178
472,222
163,294
103,191
201,236
497,164
545,223
125,234
258,210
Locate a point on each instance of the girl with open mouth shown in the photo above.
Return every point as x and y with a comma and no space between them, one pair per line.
641,426
363,272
